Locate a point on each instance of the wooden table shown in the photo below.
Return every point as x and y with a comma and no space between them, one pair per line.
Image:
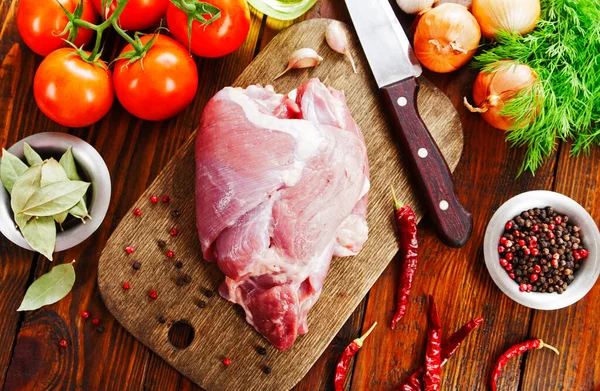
135,151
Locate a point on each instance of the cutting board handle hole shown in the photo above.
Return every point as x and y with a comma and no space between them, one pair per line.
181,334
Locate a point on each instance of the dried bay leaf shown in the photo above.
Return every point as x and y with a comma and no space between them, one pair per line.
11,169
31,156
49,288
40,233
68,163
27,184
53,172
54,198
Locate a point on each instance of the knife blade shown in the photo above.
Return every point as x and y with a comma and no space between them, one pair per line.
395,68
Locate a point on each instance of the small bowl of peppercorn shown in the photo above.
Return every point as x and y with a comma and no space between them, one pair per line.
542,249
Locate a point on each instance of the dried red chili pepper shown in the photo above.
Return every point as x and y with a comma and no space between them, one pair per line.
414,382
433,353
515,350
406,224
342,366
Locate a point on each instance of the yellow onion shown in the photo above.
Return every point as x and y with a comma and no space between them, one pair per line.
513,16
492,90
446,37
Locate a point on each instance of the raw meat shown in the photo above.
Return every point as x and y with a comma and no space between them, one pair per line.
281,187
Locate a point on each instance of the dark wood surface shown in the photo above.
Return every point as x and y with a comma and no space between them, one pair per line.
135,151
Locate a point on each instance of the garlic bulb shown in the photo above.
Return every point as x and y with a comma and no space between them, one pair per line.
302,58
338,41
415,6
513,16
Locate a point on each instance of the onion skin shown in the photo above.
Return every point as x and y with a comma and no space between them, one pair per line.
513,16
446,38
492,90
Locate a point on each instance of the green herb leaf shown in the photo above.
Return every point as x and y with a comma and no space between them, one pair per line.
80,210
31,156
68,163
49,288
563,51
53,172
40,233
11,168
24,187
60,218
54,198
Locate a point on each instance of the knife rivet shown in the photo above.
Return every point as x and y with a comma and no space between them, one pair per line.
402,101
422,152
444,205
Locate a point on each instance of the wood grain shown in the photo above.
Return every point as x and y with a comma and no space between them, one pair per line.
136,151
220,331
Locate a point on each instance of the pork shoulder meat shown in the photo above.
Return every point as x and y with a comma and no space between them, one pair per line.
281,187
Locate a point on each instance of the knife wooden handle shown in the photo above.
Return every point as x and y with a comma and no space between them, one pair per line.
452,221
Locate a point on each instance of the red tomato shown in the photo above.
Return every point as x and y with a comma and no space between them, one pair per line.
160,85
39,21
217,39
138,14
71,91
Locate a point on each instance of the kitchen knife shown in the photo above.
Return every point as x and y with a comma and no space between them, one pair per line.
396,68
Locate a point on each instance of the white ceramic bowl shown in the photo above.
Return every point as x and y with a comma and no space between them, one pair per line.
91,166
585,277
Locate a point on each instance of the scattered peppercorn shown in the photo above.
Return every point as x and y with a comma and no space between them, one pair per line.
261,350
179,264
85,314
183,280
175,213
95,321
136,265
130,249
201,304
208,293
137,212
100,329
166,199
154,199
126,285
547,254
226,361
170,254
174,231
153,294
63,343
162,319
267,370
161,243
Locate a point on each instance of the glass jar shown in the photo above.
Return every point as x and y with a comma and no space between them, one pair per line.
283,9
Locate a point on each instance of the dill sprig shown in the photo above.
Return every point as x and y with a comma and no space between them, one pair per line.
564,51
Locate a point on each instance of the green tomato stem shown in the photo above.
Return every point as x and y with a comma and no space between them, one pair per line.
136,46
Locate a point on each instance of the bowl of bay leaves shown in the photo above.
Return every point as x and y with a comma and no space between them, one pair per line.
55,192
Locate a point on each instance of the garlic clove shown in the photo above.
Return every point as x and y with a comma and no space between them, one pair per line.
302,58
338,41
415,6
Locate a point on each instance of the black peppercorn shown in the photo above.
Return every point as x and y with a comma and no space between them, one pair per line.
261,350
267,370
136,265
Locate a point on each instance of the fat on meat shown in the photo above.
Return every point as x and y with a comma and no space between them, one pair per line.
282,184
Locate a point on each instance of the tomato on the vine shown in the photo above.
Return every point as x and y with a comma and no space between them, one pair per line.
40,21
214,34
160,84
137,15
71,91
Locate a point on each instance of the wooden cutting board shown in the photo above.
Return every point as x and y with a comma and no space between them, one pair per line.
220,328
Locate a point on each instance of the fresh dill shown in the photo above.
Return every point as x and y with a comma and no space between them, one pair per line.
564,51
